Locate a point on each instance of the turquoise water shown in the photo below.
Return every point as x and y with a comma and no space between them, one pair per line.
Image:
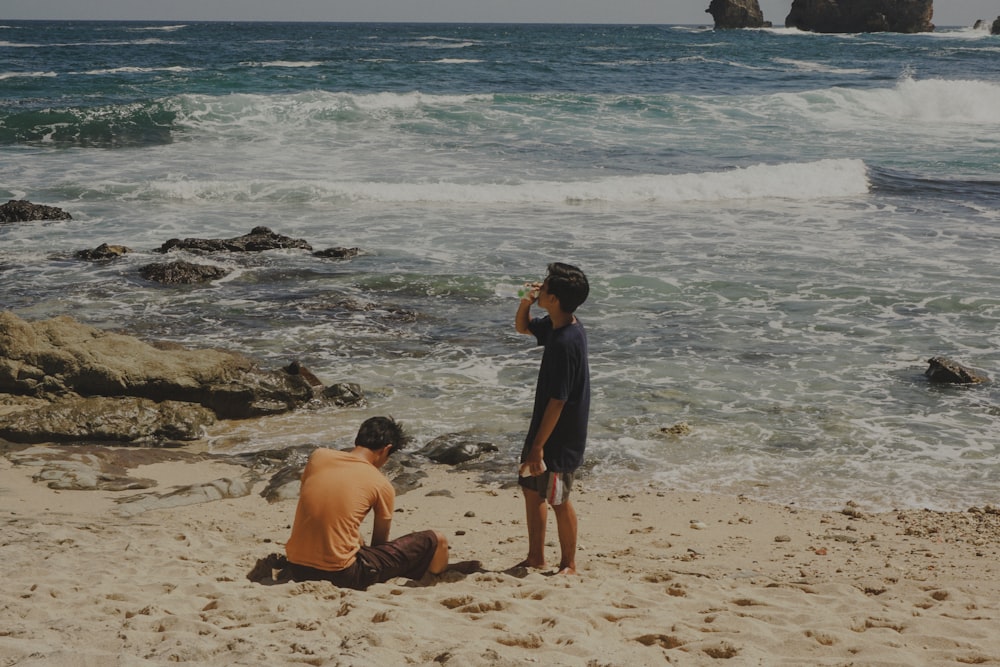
780,229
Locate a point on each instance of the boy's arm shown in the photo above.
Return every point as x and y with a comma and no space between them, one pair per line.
550,417
380,532
523,316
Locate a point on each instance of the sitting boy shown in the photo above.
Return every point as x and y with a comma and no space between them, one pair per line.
338,490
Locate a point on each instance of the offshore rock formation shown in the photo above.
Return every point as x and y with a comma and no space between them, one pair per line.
840,16
995,28
736,14
22,210
258,240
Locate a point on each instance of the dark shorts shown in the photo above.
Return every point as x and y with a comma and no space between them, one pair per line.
545,485
407,556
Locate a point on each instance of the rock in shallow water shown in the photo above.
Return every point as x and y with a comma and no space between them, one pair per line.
22,210
942,369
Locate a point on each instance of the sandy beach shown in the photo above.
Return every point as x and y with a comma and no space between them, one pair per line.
665,578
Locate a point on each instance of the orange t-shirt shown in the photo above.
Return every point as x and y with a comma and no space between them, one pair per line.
338,490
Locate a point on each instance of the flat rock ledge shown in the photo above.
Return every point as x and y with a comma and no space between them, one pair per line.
64,381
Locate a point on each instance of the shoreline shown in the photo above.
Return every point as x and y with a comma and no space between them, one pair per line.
683,578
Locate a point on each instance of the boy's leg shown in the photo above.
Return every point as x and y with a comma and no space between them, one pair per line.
439,562
566,523
536,514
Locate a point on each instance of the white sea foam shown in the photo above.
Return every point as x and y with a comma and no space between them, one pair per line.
969,33
286,63
940,100
26,75
440,43
138,70
810,66
47,45
816,180
938,103
161,28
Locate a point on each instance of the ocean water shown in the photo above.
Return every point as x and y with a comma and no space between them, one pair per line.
779,228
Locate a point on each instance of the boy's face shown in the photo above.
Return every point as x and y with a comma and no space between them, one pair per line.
545,298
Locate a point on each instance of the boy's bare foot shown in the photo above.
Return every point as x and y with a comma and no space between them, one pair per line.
521,569
569,569
263,571
528,563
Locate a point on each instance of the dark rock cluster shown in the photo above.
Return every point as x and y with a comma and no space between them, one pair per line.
833,16
258,240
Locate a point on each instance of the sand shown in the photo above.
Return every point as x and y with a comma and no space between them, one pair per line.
665,578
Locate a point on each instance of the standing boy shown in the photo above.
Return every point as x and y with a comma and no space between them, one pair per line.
338,490
557,436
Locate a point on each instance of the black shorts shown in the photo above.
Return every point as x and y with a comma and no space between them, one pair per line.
553,486
407,556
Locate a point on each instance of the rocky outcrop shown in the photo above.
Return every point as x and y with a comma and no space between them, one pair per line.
942,369
846,16
125,420
22,210
103,253
995,28
182,273
455,448
338,252
62,358
258,240
736,14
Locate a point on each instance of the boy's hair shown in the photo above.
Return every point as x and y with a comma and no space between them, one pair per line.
377,432
568,284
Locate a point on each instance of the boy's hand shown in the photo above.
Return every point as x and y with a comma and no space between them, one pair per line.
531,291
531,469
533,465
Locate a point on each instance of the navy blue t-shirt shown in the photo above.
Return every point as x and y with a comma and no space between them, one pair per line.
564,375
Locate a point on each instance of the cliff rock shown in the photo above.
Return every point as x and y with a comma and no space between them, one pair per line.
736,14
844,16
